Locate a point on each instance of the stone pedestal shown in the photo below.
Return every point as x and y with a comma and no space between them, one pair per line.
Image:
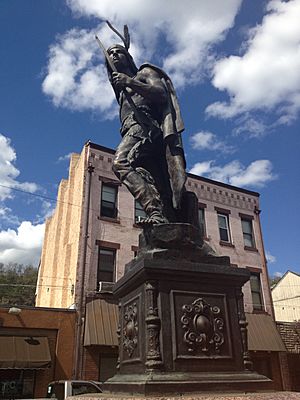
182,322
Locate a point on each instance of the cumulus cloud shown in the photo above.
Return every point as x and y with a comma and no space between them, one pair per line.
9,173
22,245
72,79
205,140
257,174
46,211
266,76
76,77
270,258
66,157
8,217
278,274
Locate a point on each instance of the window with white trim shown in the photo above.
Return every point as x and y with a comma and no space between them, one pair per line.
256,291
106,265
109,201
247,229
139,212
223,222
201,214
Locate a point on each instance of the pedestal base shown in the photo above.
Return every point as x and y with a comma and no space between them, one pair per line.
182,322
156,384
197,396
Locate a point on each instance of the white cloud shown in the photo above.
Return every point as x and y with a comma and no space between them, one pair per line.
270,258
76,77
46,211
22,245
257,174
9,173
7,216
66,157
205,140
278,274
267,76
72,80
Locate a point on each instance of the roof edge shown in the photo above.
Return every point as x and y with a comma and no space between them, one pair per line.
200,178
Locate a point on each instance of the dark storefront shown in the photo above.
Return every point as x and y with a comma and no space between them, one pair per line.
36,347
20,358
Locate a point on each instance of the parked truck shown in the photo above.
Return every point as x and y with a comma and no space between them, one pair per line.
60,390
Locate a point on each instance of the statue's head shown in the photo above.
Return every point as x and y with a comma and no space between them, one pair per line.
121,58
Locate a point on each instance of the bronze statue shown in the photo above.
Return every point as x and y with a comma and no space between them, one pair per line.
150,158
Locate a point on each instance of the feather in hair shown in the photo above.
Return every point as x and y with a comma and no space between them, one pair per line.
125,39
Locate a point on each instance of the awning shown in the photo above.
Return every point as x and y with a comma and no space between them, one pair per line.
24,352
101,323
263,334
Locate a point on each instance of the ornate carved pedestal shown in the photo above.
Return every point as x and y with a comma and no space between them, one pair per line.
182,322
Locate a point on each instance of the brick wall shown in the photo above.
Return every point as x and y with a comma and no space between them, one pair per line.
90,364
290,334
268,364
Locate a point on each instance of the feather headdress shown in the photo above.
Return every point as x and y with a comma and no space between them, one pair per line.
125,38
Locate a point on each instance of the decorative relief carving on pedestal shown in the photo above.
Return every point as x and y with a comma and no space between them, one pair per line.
203,327
153,325
130,329
119,337
248,365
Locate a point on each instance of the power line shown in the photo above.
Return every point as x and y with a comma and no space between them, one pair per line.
52,199
39,195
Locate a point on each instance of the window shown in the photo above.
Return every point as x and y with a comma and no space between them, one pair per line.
138,212
201,215
108,201
248,232
256,291
106,265
83,388
223,222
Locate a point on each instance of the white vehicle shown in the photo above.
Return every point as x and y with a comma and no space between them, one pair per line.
60,390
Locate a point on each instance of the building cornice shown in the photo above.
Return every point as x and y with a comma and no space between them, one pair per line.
196,177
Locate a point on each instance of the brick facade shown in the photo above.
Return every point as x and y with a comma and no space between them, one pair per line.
290,334
58,326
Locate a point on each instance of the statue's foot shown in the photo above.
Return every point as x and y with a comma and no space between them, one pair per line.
153,219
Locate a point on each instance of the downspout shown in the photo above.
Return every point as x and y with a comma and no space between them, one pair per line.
257,212
81,303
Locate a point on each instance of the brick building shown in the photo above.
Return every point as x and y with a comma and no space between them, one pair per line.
92,235
286,300
36,347
290,334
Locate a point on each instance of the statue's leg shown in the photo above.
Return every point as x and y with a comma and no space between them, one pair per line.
128,167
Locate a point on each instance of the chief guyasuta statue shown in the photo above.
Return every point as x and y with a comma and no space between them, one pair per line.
149,159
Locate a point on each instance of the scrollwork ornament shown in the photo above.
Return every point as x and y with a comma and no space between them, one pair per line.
130,329
203,327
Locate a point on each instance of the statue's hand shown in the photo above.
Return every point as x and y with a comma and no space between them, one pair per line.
120,80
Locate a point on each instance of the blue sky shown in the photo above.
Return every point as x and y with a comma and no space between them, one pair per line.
236,67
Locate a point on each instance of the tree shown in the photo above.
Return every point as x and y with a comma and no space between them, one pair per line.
273,280
17,284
